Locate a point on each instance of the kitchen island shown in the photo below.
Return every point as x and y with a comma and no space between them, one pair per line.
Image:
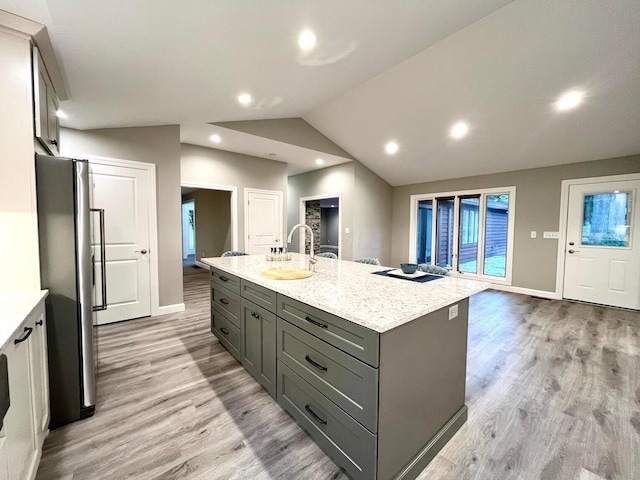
371,366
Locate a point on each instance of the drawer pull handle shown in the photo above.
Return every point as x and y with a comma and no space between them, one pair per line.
224,279
314,415
224,301
255,315
28,331
317,365
311,320
224,330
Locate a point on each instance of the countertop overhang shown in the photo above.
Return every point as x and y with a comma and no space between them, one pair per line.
351,291
15,308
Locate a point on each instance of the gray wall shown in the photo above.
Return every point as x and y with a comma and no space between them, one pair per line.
200,165
537,208
372,216
158,145
332,180
365,207
212,221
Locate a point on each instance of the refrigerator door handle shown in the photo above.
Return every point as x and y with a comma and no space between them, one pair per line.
103,262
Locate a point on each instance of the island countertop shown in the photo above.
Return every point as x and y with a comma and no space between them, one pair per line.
350,290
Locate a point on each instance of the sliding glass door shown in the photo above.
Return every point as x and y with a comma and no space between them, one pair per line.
469,233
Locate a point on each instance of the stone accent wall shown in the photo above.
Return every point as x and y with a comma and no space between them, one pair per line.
312,218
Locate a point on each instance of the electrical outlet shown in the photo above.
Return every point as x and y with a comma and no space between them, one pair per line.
555,235
534,234
453,311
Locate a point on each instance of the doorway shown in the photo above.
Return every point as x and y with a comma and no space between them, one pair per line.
188,233
601,251
207,223
322,213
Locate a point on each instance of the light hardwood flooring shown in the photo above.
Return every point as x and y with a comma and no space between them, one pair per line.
553,390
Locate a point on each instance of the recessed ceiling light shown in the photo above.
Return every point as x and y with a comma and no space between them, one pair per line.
245,99
459,130
61,114
391,147
319,161
215,138
569,100
307,40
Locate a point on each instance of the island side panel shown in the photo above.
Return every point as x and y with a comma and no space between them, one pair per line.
422,386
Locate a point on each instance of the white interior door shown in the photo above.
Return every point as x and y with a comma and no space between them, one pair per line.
602,254
263,222
123,193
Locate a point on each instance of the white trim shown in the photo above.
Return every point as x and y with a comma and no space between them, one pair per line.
564,212
167,309
303,219
150,168
484,192
280,194
526,291
233,201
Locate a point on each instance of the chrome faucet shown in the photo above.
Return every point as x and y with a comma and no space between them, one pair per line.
312,260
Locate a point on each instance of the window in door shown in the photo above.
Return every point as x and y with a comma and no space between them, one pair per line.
424,240
444,232
606,219
469,228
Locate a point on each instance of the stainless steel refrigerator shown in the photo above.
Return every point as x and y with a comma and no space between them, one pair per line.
68,269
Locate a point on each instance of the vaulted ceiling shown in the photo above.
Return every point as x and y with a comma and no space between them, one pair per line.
404,71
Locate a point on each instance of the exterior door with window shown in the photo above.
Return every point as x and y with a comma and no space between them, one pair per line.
263,220
602,254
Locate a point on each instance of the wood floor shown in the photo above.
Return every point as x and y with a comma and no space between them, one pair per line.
553,390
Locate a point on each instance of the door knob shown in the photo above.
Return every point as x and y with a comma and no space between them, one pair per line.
143,251
574,251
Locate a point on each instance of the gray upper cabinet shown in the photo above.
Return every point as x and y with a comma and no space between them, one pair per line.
45,107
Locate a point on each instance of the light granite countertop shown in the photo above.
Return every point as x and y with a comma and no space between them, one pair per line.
351,291
14,309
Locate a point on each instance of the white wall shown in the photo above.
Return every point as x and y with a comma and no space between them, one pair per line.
19,257
158,145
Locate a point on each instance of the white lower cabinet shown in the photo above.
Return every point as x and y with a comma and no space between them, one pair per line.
26,422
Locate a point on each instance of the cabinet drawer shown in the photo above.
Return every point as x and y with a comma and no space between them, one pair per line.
348,382
351,445
227,332
228,303
258,294
349,337
226,280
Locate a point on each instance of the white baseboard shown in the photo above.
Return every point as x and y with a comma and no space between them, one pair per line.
202,265
526,291
167,309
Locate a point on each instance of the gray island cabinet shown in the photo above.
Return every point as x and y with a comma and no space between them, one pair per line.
372,367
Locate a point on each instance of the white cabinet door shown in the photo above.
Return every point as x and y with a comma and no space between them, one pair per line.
4,455
47,126
19,422
39,374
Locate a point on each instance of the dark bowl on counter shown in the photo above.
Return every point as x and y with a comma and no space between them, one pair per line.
409,268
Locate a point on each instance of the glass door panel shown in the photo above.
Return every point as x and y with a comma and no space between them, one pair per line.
444,232
425,222
468,234
606,219
496,235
